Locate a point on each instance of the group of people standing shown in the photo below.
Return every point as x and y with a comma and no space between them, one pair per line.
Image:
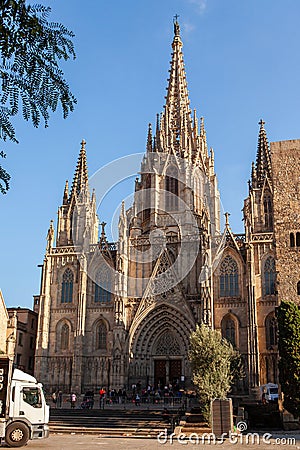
57,399
137,395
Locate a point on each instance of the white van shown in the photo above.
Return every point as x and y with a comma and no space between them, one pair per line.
269,392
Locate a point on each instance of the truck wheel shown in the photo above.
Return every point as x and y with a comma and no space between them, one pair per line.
17,434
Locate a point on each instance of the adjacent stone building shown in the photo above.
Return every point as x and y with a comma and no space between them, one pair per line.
25,338
117,314
8,330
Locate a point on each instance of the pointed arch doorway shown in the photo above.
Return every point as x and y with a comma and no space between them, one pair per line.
167,360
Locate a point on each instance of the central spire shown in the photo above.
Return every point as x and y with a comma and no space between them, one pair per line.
176,131
177,113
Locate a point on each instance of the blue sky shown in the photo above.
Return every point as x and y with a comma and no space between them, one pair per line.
242,62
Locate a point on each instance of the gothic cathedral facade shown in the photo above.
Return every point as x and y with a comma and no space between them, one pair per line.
115,314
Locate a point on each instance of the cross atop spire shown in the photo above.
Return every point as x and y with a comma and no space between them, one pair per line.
176,25
80,180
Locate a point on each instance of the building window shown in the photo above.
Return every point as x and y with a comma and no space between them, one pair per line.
30,363
229,330
229,278
298,288
268,212
269,276
20,339
171,187
103,286
31,342
67,287
18,359
292,240
147,196
64,337
271,331
297,239
101,336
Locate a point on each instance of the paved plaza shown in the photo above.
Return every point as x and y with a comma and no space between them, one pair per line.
75,441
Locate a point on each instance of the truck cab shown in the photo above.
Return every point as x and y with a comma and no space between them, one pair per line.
24,414
269,392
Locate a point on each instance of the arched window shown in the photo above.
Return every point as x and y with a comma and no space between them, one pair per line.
197,192
292,240
103,286
271,331
147,196
101,337
67,286
171,188
268,212
298,288
229,329
269,276
229,278
64,337
297,239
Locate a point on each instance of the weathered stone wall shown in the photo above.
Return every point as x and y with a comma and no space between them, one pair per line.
286,179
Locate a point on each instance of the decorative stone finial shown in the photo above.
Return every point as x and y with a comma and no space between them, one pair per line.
227,219
103,228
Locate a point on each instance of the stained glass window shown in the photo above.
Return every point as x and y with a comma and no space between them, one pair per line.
269,276
171,184
271,331
229,278
67,286
228,330
64,337
268,212
101,336
103,286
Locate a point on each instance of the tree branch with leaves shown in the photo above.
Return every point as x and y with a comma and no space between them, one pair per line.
31,80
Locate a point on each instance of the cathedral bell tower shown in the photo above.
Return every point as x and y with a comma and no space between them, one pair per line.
165,238
64,286
261,272
77,219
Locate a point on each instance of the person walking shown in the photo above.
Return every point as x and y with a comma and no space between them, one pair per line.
59,399
137,400
73,400
54,399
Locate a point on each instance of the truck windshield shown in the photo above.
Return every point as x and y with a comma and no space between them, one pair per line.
32,396
273,390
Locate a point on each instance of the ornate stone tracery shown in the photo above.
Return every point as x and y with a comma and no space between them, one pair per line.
167,344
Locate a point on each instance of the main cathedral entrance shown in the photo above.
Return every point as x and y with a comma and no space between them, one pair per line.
167,371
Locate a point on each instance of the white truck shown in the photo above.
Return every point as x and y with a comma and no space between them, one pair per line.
24,413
